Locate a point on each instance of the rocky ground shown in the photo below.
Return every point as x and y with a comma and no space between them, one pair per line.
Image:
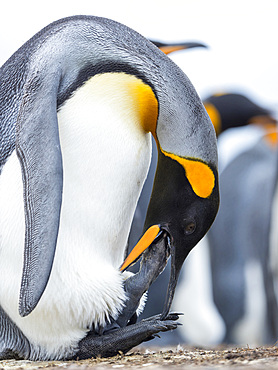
181,357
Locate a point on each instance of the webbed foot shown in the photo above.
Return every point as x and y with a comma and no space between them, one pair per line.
123,339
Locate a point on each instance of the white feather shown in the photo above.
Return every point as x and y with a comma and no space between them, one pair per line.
106,155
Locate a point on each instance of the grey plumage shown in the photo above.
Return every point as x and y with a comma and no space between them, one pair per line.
241,234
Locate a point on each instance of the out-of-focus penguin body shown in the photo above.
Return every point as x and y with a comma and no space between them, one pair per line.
239,241
78,103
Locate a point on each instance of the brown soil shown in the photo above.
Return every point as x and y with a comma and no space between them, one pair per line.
164,358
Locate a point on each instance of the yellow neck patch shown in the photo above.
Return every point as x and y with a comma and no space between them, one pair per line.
199,175
129,93
145,101
215,117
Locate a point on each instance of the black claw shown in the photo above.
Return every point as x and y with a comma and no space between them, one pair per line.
173,316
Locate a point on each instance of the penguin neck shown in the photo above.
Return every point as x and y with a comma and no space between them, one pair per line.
106,155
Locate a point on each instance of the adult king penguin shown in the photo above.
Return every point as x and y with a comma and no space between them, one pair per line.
78,103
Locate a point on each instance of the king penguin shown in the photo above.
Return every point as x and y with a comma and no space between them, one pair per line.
79,103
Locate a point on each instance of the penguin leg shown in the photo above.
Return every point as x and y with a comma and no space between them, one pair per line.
123,339
13,344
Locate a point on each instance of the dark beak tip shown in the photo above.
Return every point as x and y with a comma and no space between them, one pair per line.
176,265
171,316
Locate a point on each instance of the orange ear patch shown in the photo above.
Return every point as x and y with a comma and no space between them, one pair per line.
198,173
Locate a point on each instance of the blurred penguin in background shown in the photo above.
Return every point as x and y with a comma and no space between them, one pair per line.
230,110
239,240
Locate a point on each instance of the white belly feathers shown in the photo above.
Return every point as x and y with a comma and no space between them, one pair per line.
106,155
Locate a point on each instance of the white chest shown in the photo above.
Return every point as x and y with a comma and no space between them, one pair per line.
106,155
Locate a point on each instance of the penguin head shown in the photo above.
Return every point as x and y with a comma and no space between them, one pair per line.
228,110
183,205
183,209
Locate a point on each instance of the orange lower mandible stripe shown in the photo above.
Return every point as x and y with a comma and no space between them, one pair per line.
142,245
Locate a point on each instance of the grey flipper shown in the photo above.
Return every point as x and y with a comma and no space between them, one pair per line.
38,150
123,339
13,344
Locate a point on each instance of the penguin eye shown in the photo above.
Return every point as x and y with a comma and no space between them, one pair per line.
190,228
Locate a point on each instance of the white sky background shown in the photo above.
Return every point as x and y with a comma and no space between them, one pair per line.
242,36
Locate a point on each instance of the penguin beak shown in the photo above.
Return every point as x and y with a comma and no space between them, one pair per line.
168,48
176,265
152,237
145,241
154,260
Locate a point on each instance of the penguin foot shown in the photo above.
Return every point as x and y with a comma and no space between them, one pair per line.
123,339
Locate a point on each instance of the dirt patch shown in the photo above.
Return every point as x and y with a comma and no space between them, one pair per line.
162,358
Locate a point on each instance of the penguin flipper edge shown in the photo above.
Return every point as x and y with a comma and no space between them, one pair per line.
13,343
124,339
39,153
